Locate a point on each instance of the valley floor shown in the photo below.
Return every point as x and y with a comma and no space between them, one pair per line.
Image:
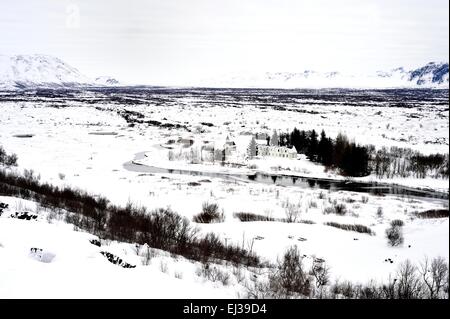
65,148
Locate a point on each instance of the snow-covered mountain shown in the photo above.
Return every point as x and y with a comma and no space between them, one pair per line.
106,80
20,71
432,75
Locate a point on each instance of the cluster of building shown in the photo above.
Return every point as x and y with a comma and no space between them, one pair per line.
259,146
276,151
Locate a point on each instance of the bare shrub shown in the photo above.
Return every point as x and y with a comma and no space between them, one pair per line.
51,215
238,274
7,160
74,219
209,214
2,154
397,223
434,276
29,174
250,217
291,210
11,160
408,282
336,208
161,228
290,276
178,275
369,291
340,209
355,227
434,213
364,199
394,235
344,289
211,246
312,204
380,212
321,273
163,267
213,273
148,255
259,290
430,281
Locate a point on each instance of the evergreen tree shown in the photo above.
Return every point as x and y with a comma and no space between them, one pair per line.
251,150
339,149
313,146
321,150
303,142
295,139
274,140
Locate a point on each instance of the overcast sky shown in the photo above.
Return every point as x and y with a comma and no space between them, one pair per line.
173,41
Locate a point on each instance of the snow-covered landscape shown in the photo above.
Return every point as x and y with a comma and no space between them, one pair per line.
154,147
257,184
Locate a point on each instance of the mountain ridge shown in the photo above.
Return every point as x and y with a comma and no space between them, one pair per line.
37,70
40,70
432,75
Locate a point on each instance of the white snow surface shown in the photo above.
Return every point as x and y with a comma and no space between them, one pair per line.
79,270
85,147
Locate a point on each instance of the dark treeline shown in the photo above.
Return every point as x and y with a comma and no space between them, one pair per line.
161,228
351,159
404,162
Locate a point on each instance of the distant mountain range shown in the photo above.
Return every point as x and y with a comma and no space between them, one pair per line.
432,75
25,71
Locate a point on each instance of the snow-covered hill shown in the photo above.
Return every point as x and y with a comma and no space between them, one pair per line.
19,71
432,75
47,258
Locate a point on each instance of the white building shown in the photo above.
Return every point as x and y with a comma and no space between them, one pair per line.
277,151
229,146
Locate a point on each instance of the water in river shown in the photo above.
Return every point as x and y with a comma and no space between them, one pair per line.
298,181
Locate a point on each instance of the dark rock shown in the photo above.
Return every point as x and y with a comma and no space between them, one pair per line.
194,184
24,216
117,260
95,242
